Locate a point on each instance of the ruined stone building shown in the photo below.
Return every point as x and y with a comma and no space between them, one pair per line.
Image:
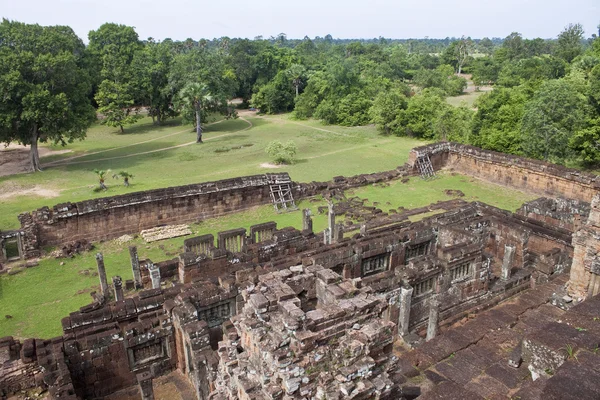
470,301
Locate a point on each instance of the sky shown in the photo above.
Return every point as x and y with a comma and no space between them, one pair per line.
398,19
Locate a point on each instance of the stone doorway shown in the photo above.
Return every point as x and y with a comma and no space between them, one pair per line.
11,246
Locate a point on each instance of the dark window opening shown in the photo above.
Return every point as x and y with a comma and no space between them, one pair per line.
416,250
461,271
424,287
375,264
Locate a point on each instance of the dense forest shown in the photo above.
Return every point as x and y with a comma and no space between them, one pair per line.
545,101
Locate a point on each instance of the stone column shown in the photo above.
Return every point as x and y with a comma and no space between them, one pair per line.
145,382
339,233
406,292
326,236
307,223
363,229
434,314
154,275
135,267
507,262
102,275
118,286
331,219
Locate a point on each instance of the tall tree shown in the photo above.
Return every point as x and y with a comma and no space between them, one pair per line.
151,67
551,118
194,100
113,47
569,42
297,73
115,104
44,86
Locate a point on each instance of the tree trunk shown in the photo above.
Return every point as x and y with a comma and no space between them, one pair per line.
122,130
198,126
297,90
34,155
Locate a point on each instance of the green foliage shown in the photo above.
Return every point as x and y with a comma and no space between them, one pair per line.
586,143
115,104
497,121
418,118
453,124
569,42
44,86
101,175
282,153
441,78
277,95
126,176
385,109
551,118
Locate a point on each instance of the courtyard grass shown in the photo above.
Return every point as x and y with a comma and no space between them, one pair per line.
37,298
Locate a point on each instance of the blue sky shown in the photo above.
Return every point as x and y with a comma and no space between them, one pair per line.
180,19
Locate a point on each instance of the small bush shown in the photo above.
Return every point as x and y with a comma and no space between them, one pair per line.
282,153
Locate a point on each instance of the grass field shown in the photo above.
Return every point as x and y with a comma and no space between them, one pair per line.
323,152
37,298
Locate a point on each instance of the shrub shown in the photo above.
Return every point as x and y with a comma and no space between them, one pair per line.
282,153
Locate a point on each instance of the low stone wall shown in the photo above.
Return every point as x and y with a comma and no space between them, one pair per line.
510,170
111,217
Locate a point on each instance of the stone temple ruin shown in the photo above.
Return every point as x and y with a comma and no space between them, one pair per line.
468,302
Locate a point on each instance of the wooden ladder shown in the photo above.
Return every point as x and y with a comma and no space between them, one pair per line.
281,195
425,167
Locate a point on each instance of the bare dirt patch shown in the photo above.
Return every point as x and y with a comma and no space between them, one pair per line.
11,190
14,159
269,165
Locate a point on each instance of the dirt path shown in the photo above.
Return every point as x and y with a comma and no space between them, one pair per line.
304,125
149,151
14,159
67,160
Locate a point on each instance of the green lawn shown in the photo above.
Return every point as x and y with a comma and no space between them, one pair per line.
323,152
37,298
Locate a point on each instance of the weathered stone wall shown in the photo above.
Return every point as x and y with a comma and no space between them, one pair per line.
110,217
510,170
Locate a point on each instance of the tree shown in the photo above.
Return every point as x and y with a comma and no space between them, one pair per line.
418,118
297,73
101,174
44,86
513,44
569,42
464,48
113,47
453,124
282,153
385,109
497,121
551,118
195,99
126,176
150,68
115,104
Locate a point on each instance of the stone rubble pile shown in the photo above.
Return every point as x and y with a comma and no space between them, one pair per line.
165,232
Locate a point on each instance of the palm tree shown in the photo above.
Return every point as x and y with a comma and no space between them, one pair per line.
101,174
195,96
125,175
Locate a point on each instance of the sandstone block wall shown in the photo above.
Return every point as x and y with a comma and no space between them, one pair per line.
510,170
111,217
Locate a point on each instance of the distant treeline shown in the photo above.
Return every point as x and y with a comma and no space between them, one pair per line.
544,103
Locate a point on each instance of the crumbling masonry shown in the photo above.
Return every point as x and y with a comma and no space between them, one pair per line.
383,308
